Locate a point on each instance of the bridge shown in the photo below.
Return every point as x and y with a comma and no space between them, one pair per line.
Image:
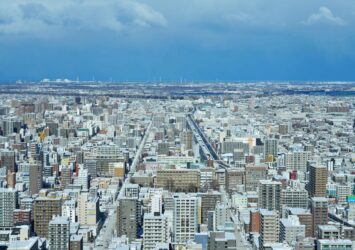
204,143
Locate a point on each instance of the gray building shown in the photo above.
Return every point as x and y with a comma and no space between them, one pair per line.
8,203
59,233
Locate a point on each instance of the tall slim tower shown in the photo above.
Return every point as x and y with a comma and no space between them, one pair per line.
318,177
185,217
319,210
59,233
269,195
155,230
269,227
8,203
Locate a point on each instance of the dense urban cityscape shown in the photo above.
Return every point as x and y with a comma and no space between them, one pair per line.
184,166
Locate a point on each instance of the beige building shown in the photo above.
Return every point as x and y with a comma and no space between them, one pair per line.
179,180
269,227
88,209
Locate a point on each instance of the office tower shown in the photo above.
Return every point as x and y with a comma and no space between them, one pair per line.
69,210
35,177
65,177
83,179
294,197
208,203
318,177
319,210
270,195
291,230
222,240
155,227
185,217
59,233
90,165
44,209
234,177
253,174
88,209
128,213
270,149
269,227
179,180
8,203
8,160
297,160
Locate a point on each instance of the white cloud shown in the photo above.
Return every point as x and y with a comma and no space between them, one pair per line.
324,14
45,18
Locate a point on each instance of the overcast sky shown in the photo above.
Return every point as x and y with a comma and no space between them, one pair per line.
181,39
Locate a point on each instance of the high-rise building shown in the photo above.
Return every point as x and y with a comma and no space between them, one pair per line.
65,177
35,178
319,210
8,203
90,165
270,195
59,233
234,177
186,139
342,192
318,177
291,229
254,225
155,227
208,203
88,209
185,217
269,227
271,149
44,209
69,210
253,175
294,197
128,217
8,160
297,160
305,218
83,179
